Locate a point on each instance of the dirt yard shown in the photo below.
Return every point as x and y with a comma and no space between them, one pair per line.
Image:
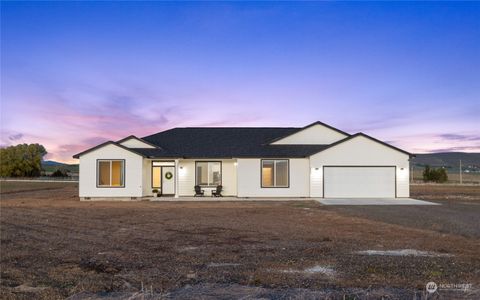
53,247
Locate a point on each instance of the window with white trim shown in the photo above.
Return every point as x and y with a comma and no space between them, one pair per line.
110,173
208,173
275,173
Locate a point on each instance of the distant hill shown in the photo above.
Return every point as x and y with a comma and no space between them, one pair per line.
51,166
449,160
52,163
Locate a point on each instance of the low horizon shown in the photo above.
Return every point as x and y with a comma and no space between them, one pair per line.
404,73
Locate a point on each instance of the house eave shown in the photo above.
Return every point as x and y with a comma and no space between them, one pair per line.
77,156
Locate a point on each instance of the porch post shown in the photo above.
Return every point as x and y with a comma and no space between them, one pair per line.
176,178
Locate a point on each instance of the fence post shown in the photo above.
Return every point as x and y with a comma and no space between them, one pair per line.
460,172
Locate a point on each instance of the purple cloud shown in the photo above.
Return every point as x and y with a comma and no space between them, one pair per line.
15,137
459,137
455,149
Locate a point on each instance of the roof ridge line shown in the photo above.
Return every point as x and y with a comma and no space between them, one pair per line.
236,127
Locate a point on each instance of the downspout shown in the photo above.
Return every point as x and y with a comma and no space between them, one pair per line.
176,178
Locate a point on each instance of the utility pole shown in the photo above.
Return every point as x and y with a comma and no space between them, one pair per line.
411,176
460,171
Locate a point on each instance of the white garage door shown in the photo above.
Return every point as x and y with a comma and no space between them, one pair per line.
359,182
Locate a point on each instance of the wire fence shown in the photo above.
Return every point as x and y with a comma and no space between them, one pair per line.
42,179
453,177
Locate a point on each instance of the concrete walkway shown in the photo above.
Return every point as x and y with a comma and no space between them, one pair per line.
374,201
224,199
326,201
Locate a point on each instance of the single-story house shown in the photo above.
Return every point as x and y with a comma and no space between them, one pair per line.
315,161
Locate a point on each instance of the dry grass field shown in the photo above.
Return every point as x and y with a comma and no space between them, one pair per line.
453,177
54,246
7,187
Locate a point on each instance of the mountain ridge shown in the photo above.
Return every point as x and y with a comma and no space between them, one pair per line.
449,160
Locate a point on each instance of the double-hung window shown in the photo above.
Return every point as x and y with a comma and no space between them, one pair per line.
208,173
275,173
110,173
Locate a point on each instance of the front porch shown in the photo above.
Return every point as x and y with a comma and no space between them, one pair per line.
177,178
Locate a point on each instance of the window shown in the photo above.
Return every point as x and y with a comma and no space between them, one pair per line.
208,173
110,173
275,173
156,177
163,163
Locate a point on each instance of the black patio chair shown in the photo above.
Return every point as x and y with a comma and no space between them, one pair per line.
199,191
217,192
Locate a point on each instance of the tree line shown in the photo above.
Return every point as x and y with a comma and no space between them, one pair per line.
24,160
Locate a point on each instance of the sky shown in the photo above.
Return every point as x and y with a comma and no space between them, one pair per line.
76,74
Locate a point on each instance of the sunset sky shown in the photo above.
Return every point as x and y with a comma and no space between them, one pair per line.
76,74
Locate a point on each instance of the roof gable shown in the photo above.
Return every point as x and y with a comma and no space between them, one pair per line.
361,134
135,142
317,133
106,144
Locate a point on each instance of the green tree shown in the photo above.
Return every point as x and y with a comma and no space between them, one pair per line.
23,160
442,175
436,175
426,173
60,173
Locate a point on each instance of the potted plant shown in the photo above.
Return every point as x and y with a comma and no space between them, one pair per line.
155,192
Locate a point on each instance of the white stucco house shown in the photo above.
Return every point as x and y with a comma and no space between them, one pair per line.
315,161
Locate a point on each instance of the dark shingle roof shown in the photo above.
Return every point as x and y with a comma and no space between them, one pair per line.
229,142
225,142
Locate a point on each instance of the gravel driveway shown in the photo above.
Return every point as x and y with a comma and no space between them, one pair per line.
459,213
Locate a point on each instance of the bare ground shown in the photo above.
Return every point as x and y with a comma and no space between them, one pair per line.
53,246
